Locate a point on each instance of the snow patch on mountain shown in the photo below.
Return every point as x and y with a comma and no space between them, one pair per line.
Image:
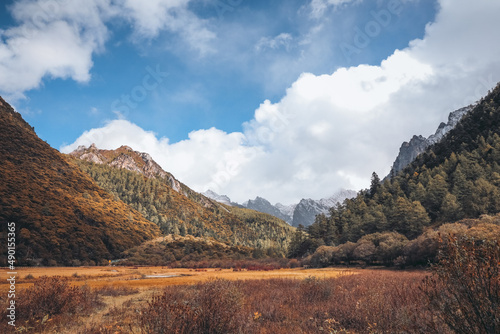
306,211
216,197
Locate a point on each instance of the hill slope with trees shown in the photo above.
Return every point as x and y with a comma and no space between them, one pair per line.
178,210
457,178
62,216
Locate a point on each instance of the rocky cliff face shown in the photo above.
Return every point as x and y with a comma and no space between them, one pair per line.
126,158
262,205
418,144
287,211
306,211
408,152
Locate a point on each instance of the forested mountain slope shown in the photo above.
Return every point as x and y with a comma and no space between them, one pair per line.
459,177
178,210
61,215
125,157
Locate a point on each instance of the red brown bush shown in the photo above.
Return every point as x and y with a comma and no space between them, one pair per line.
465,286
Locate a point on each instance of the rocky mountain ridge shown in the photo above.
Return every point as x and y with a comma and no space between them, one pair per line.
125,157
302,213
263,205
306,211
418,144
218,198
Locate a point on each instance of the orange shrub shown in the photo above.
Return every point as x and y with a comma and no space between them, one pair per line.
368,302
209,308
52,301
465,286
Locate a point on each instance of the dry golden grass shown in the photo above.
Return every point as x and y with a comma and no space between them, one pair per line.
266,294
136,277
119,307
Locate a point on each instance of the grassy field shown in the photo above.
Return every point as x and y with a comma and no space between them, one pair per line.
119,300
137,300
142,283
151,277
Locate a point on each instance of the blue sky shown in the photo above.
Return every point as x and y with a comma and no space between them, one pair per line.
221,88
224,93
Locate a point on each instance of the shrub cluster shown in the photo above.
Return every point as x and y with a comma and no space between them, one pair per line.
116,291
212,307
465,287
392,248
52,302
373,301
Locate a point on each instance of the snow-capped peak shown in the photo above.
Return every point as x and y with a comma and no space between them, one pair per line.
216,197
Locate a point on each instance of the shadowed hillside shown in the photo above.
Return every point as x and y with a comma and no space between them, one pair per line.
62,216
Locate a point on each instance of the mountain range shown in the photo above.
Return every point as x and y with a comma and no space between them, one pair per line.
455,179
303,213
93,205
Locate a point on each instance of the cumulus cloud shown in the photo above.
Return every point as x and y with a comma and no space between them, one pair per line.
117,133
57,39
52,39
153,16
331,131
210,157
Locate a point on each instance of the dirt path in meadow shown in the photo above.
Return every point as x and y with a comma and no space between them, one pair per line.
113,305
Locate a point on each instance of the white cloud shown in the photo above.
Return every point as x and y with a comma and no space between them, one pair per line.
211,157
53,39
153,16
332,131
117,133
57,38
